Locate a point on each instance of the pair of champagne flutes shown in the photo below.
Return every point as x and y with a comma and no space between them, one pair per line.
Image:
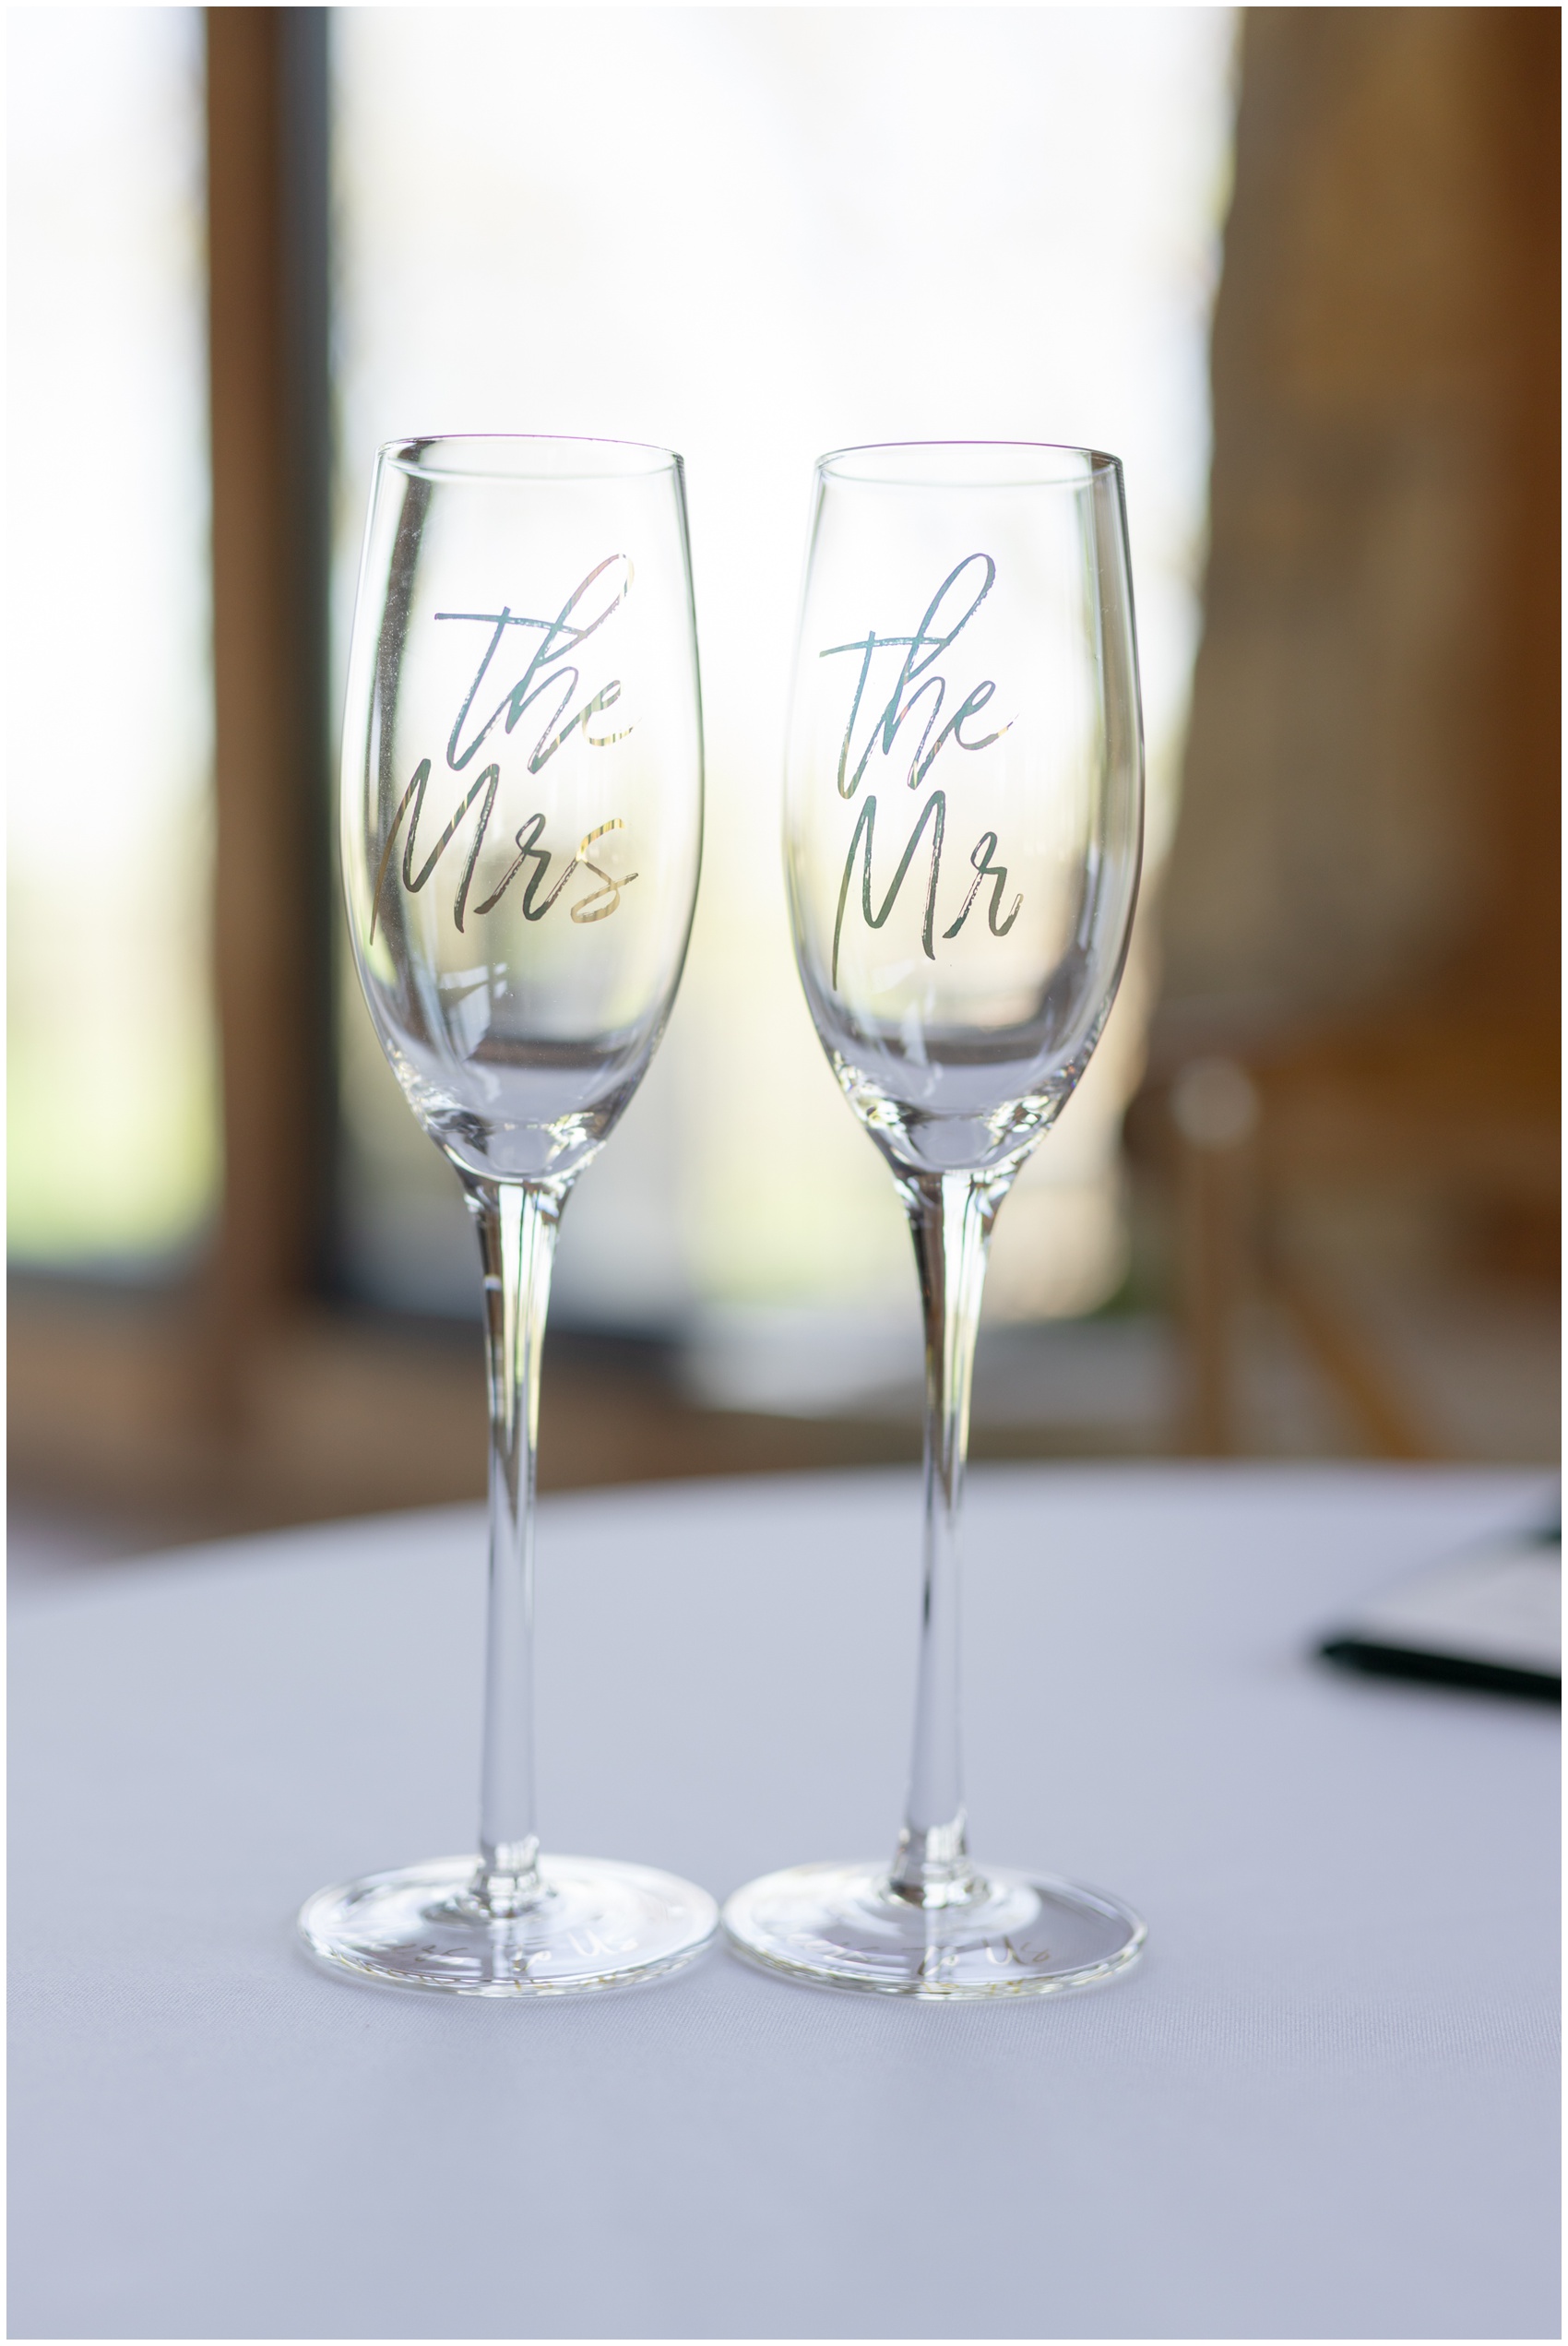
521,833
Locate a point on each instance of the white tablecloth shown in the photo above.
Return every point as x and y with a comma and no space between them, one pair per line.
1323,2106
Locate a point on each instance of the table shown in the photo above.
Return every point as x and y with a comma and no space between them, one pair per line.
1323,2106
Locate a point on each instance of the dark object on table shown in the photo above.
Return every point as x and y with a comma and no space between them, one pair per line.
1490,1618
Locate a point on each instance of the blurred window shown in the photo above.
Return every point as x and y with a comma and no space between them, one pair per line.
112,1102
752,234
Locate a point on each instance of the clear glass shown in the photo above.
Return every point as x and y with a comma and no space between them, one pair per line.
521,834
963,830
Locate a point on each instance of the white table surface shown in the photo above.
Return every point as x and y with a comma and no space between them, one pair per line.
1325,2104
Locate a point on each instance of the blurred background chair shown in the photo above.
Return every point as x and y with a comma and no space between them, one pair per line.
239,1277
1361,911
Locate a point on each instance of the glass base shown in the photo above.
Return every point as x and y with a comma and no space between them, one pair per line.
593,1924
1010,1935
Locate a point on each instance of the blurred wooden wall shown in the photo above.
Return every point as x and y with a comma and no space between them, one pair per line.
1361,919
1371,796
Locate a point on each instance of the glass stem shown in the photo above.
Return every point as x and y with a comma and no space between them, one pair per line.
950,1217
518,1222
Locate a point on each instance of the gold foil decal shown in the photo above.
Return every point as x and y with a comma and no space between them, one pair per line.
581,910
939,629
554,677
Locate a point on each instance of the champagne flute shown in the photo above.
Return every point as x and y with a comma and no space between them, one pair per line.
963,830
521,817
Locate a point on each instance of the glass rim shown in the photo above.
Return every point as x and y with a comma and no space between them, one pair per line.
1081,465
411,454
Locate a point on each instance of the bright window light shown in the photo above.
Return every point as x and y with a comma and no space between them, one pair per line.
752,234
112,1102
